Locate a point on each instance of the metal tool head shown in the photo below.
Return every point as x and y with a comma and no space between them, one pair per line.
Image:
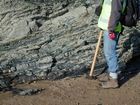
90,77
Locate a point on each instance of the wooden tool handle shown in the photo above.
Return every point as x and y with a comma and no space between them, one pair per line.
96,53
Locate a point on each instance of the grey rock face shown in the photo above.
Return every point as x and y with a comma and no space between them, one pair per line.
51,40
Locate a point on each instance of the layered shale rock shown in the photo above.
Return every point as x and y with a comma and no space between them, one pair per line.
52,39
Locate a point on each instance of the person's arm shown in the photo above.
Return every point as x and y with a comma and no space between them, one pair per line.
116,10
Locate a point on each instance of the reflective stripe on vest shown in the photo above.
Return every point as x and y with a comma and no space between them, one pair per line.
124,5
105,15
108,2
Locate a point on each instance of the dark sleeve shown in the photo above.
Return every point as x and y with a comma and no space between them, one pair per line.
116,10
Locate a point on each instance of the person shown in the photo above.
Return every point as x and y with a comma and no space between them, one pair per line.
109,23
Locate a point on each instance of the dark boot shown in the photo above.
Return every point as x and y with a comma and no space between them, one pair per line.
104,77
111,83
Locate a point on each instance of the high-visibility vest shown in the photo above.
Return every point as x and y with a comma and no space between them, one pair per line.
103,20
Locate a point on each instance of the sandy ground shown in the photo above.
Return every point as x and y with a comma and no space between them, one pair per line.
77,91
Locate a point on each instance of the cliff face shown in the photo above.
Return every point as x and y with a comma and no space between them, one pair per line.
53,39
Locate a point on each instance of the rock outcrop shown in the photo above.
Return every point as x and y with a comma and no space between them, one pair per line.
53,39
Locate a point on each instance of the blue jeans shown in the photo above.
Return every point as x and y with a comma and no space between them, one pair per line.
110,51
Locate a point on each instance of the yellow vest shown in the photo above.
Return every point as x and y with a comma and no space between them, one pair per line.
105,15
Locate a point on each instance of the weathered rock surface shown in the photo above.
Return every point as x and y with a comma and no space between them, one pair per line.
51,40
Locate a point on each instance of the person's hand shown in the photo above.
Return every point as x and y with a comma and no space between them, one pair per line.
111,35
